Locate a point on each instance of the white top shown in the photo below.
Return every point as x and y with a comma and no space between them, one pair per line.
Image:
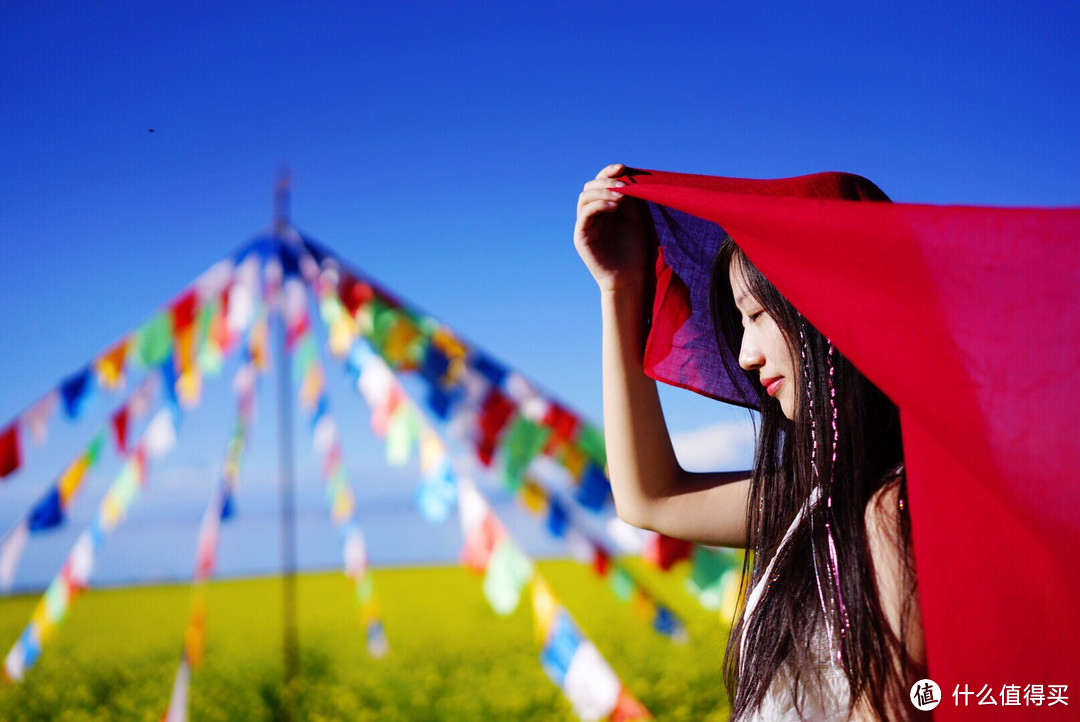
830,701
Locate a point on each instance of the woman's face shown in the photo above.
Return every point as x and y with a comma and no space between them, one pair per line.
764,348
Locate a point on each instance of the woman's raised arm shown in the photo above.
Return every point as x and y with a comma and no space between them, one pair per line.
651,490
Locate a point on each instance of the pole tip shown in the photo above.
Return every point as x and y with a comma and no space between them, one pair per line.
282,192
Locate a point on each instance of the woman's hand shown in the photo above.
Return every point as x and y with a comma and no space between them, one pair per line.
610,233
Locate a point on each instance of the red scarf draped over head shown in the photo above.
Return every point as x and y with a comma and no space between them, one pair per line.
968,318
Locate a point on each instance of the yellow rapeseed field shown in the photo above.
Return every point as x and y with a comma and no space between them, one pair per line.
451,657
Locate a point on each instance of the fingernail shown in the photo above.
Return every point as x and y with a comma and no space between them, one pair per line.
615,195
619,184
612,204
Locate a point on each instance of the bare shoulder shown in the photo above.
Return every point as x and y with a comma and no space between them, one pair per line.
894,568
882,515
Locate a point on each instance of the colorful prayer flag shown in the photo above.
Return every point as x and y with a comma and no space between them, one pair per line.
508,571
10,451
36,419
11,550
75,392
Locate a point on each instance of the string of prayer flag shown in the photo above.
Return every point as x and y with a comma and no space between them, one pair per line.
218,509
315,400
51,508
402,425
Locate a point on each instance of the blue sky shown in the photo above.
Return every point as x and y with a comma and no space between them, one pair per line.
441,147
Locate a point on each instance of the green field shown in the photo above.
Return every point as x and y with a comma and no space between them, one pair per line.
451,657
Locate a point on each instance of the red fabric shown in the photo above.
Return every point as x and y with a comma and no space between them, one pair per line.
968,319
10,458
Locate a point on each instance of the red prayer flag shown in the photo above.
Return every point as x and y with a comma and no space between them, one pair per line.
183,311
494,414
628,708
665,551
601,562
969,319
120,427
481,542
10,454
354,293
562,422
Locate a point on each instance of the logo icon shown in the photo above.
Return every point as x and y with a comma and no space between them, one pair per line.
925,695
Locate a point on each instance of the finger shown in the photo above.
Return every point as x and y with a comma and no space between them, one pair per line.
599,205
593,211
603,183
596,192
611,171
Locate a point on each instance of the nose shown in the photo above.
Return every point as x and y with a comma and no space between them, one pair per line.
750,356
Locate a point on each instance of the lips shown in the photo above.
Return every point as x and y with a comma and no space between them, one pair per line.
772,385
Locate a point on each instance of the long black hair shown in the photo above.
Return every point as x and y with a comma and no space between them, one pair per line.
781,629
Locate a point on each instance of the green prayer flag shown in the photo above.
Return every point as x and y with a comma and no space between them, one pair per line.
622,584
304,355
93,451
523,441
508,571
365,590
707,571
402,435
382,320
591,442
155,339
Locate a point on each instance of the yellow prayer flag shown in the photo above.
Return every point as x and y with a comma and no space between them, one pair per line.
445,341
195,634
344,504
72,478
401,341
643,606
184,348
365,319
311,387
40,616
368,611
432,450
110,366
534,497
46,631
730,599
257,344
342,335
112,511
574,460
545,607
189,386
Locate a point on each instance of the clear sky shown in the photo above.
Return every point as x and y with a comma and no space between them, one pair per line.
441,147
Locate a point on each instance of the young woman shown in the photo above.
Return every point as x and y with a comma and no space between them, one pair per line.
830,628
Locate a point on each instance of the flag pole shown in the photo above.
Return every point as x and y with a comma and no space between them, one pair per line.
286,475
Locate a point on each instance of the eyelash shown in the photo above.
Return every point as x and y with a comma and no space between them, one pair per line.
754,317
